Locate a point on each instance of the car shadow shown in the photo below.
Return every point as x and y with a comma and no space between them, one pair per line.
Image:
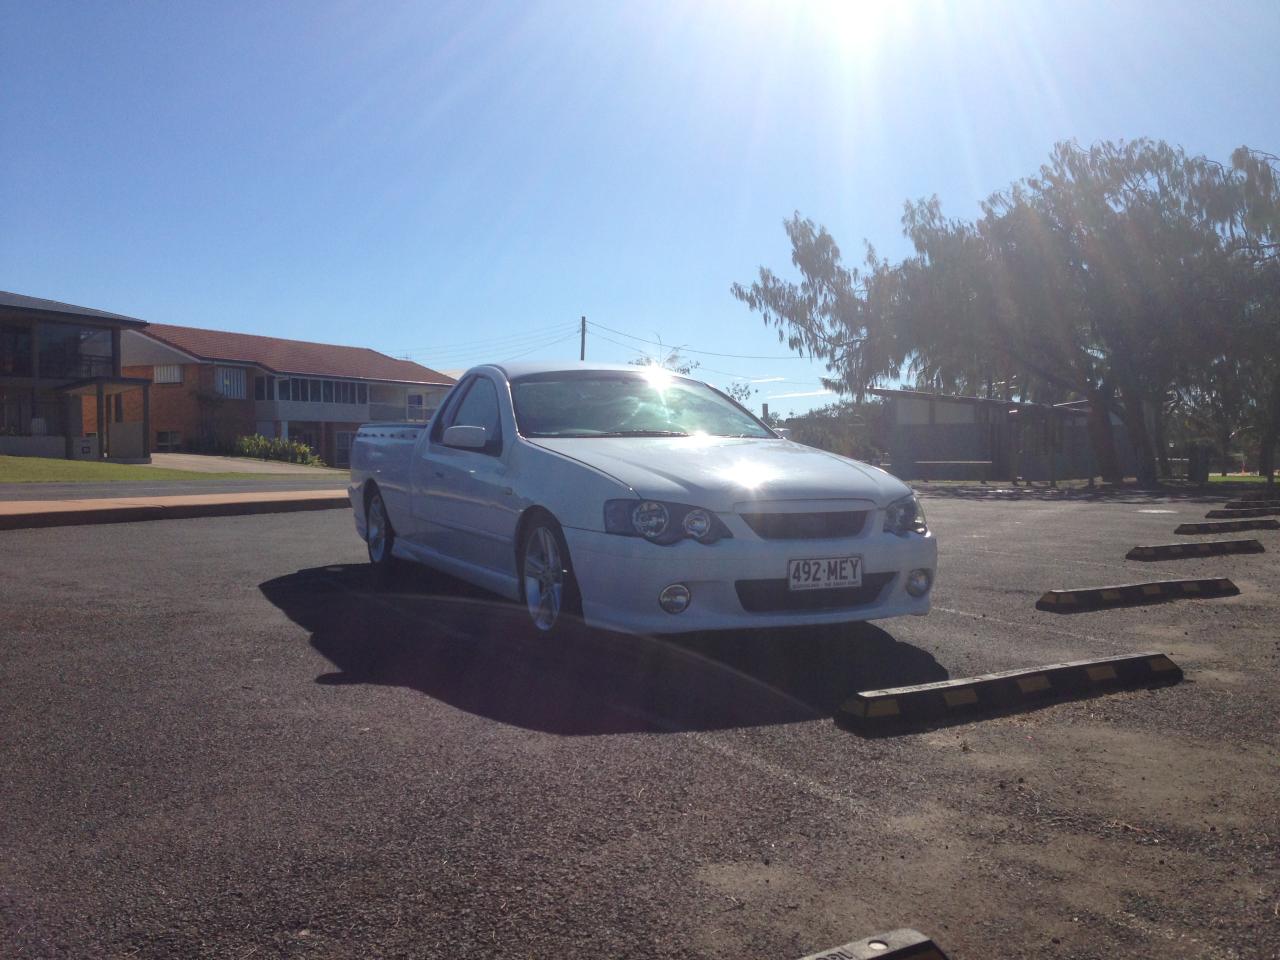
465,647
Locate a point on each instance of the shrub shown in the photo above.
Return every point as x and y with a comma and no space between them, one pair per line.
276,448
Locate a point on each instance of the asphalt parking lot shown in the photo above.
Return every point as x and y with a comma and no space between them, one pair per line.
222,738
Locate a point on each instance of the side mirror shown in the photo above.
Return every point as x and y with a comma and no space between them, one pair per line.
466,438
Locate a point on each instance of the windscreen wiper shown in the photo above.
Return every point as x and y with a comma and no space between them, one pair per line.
645,433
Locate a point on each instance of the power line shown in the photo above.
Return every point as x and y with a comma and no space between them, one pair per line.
551,328
466,346
816,381
488,346
568,336
490,352
708,353
625,346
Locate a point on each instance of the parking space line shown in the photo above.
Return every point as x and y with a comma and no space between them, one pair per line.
1023,624
747,759
951,549
742,758
386,604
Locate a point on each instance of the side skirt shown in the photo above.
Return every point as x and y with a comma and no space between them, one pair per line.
500,583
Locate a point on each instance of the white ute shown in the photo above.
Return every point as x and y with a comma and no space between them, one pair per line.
640,501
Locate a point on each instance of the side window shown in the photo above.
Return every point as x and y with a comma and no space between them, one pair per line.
450,408
479,408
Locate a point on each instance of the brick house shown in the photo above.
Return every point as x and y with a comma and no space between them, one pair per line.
63,392
211,386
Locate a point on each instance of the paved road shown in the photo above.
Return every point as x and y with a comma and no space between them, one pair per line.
223,739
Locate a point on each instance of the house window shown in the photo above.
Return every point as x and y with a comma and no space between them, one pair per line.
297,389
168,373
282,388
15,350
328,391
362,393
260,387
229,382
167,441
315,391
67,350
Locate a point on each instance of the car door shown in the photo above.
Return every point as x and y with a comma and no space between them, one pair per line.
466,498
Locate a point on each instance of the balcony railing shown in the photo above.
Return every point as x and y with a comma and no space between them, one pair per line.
24,418
398,413
76,368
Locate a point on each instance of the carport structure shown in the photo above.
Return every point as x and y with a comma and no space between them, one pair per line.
119,439
59,364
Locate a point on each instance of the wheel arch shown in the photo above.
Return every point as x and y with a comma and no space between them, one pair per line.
369,489
529,515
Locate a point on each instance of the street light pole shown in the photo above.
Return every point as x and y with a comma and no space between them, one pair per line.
582,340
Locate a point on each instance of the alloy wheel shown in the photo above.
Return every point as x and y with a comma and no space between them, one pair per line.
544,578
376,529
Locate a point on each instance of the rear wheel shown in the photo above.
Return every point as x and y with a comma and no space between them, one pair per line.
547,584
378,535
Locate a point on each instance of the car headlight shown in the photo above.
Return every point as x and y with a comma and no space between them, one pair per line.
661,522
650,519
905,516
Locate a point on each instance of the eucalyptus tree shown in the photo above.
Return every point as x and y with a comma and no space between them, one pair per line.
839,314
1253,231
1102,276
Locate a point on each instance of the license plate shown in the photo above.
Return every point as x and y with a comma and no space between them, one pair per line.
824,573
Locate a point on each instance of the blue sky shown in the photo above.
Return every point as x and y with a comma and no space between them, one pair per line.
459,182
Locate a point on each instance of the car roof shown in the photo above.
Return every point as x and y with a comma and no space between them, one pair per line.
514,370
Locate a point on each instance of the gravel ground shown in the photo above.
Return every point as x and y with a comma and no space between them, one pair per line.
222,738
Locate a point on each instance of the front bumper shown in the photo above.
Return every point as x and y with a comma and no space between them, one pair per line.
621,577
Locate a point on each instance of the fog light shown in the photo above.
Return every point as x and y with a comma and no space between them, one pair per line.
919,581
675,598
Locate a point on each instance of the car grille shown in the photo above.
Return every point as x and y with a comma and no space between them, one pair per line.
773,596
807,526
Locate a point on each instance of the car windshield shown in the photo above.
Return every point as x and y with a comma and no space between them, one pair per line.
622,404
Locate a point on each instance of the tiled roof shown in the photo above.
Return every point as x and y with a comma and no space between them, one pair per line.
293,356
22,302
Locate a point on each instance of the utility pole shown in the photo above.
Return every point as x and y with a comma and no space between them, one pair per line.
582,336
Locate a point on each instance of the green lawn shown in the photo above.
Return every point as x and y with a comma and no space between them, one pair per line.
1231,478
42,470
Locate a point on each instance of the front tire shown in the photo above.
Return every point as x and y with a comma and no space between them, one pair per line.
379,537
547,584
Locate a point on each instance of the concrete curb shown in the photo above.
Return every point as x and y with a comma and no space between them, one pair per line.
1251,504
26,514
1227,526
1242,513
1183,551
1134,594
895,945
870,710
